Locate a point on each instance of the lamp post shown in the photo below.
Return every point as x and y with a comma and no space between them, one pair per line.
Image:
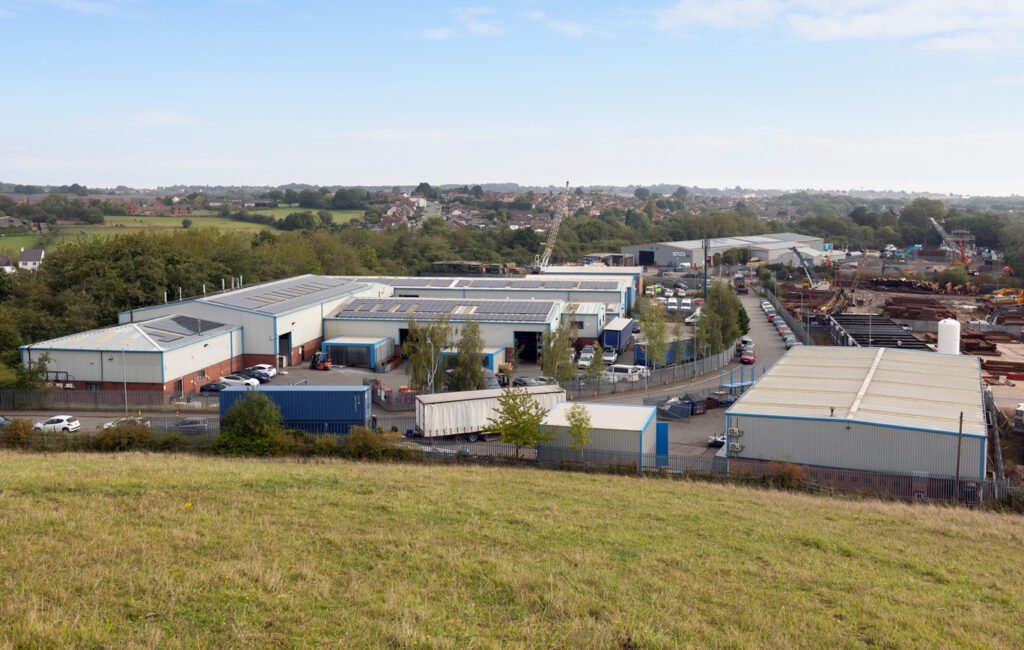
707,246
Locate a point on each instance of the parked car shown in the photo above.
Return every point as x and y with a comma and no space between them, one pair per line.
238,380
142,422
214,387
586,358
258,375
265,367
716,441
744,342
748,358
636,327
792,343
625,373
610,356
771,317
4,421
191,426
63,423
529,381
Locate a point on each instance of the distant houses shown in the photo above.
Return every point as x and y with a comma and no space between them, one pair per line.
6,265
29,260
13,222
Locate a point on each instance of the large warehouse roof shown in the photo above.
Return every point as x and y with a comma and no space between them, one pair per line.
774,240
157,335
457,310
604,416
287,295
899,388
513,283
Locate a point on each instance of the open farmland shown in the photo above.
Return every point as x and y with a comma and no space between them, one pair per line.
138,550
117,225
340,216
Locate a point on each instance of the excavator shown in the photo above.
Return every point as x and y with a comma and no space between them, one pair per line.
1005,296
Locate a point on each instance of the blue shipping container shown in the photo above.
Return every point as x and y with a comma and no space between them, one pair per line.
617,334
310,407
677,352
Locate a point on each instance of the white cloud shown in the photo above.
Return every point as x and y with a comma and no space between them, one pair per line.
563,27
476,21
938,24
162,117
436,33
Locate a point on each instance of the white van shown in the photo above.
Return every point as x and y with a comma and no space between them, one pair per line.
685,304
624,373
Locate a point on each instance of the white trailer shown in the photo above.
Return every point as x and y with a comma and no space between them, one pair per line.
465,413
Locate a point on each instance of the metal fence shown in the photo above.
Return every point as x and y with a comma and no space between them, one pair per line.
585,387
104,400
794,324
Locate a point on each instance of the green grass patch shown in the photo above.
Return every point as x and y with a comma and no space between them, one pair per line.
11,244
137,550
340,216
116,225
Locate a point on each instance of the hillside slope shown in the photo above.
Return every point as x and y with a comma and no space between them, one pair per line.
175,551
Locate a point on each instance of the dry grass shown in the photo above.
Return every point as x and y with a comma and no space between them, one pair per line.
140,550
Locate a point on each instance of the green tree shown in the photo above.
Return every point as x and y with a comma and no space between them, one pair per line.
556,361
468,371
709,333
579,426
186,223
744,322
915,220
655,331
642,193
423,346
725,304
250,426
519,419
595,372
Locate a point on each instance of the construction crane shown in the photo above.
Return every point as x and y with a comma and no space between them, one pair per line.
541,261
954,245
814,282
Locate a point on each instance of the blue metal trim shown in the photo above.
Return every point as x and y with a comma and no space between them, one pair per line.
868,422
163,371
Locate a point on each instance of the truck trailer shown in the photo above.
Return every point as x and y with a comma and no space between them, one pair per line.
464,415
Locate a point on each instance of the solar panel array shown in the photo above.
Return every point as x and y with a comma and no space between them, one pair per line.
277,297
486,310
176,328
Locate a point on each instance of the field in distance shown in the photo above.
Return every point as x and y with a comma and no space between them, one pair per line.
340,216
136,550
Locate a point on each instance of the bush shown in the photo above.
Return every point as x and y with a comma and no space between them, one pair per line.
173,441
127,436
17,433
327,445
787,475
251,427
365,444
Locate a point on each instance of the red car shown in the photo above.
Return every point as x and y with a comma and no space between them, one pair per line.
771,318
748,358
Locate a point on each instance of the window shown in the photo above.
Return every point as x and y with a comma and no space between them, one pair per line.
579,324
814,475
841,477
853,479
201,374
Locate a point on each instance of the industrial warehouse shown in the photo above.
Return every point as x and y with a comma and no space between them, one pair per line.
776,248
858,415
179,346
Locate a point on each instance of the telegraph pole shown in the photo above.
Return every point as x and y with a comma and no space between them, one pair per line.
707,246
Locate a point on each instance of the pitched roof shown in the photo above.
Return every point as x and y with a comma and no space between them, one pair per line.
31,255
157,335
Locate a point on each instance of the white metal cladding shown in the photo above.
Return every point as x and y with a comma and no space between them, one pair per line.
493,334
191,358
900,388
853,445
449,414
614,417
97,366
592,323
258,328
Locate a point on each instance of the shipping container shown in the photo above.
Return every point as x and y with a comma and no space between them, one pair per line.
311,408
466,413
358,351
617,334
679,351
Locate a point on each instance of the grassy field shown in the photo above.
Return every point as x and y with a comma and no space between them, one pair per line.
340,216
173,551
126,225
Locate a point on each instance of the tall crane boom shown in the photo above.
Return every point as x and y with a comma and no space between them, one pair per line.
948,242
541,261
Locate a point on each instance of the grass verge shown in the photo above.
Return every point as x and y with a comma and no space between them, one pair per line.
139,550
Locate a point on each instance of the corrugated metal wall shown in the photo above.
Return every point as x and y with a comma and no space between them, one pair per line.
841,443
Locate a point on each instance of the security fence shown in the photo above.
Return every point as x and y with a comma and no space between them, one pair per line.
104,400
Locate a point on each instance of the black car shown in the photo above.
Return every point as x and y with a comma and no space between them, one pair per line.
191,426
258,375
215,387
529,381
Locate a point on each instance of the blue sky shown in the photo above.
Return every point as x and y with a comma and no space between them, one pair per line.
828,94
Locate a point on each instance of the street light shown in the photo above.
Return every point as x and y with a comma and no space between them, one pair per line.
124,380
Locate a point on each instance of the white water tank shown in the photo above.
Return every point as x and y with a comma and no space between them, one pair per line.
949,336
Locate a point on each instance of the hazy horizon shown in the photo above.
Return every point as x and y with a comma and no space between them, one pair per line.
771,94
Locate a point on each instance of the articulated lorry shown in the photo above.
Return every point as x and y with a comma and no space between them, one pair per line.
464,415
